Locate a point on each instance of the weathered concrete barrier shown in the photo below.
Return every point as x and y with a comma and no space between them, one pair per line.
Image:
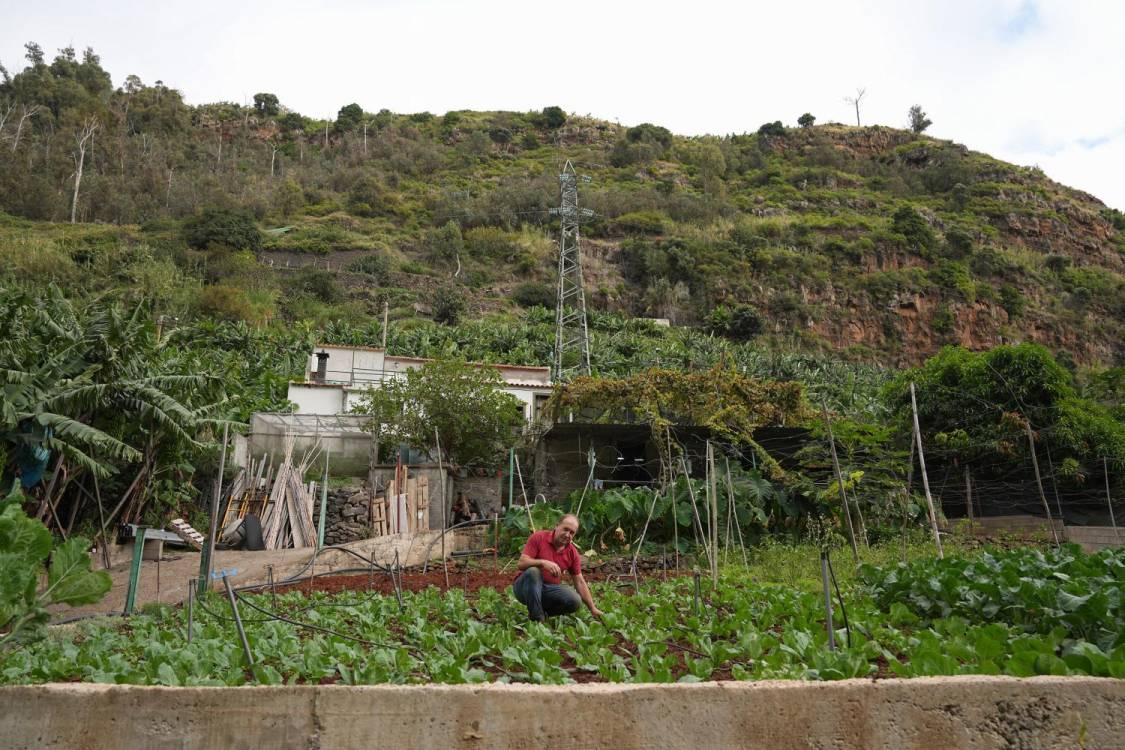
944,712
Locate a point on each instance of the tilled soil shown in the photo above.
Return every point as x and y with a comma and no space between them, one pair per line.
469,580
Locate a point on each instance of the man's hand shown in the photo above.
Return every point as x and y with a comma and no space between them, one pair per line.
551,567
596,612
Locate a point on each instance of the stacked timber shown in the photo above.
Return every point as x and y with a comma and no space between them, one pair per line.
407,503
288,521
279,497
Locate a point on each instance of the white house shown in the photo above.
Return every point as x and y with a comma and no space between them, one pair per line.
336,378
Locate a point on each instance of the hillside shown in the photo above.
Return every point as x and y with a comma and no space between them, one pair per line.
872,244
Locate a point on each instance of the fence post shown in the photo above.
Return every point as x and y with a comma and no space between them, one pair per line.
925,476
1039,480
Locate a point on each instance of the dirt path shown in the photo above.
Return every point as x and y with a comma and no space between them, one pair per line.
167,581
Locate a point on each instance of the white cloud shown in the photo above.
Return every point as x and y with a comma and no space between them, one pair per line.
1027,81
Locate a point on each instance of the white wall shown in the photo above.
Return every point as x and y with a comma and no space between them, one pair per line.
317,399
344,362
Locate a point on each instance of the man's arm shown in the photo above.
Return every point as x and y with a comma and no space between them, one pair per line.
584,592
527,561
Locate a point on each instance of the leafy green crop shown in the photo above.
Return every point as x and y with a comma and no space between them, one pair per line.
1032,590
743,631
26,545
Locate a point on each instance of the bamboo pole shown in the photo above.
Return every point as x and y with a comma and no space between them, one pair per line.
444,519
925,476
737,525
523,491
205,560
713,513
840,482
700,536
1039,480
1109,500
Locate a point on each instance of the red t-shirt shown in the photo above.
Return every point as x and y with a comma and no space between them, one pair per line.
539,547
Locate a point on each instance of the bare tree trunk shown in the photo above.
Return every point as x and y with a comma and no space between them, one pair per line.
168,192
82,138
26,112
273,159
365,139
219,157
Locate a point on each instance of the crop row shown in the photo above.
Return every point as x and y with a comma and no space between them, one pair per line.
738,630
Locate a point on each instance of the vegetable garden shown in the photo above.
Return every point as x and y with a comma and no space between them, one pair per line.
1020,612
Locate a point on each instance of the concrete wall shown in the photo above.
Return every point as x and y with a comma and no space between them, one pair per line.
923,714
1095,537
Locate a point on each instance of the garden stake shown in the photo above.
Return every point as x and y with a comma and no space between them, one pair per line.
190,608
1109,500
1039,481
695,575
238,621
695,512
135,570
205,561
273,586
444,521
827,601
840,481
644,531
737,525
397,582
925,476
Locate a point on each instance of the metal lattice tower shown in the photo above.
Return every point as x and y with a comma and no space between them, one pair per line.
572,336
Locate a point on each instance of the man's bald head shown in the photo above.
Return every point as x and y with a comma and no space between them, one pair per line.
565,530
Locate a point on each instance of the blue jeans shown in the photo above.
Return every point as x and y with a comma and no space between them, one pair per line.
543,599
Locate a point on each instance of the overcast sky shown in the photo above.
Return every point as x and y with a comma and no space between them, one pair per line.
1030,82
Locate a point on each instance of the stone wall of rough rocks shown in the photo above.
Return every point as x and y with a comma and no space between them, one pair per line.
346,518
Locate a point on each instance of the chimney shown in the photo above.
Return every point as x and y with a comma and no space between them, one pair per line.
321,367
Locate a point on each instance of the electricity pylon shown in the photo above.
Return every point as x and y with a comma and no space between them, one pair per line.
572,336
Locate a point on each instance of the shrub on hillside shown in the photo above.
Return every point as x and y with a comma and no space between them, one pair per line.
220,226
534,293
316,283
225,303
910,224
774,128
739,322
553,117
372,264
448,303
639,222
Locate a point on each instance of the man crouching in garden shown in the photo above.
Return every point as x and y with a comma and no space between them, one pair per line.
544,558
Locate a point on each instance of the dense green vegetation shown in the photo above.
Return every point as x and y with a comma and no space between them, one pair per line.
868,241
957,616
214,245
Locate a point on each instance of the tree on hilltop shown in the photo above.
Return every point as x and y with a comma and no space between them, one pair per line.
918,120
806,120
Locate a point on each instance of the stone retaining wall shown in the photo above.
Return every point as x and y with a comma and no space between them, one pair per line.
924,714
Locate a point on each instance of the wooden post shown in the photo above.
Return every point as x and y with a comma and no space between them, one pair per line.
1039,480
840,481
1109,500
205,560
444,520
925,476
